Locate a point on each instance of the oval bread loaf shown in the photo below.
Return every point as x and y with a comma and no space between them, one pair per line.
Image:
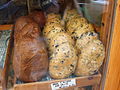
90,59
63,61
30,59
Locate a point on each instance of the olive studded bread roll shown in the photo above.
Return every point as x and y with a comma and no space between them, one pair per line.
49,28
52,16
53,20
52,27
85,38
63,61
65,50
90,59
90,50
61,68
51,32
74,23
69,14
86,27
59,39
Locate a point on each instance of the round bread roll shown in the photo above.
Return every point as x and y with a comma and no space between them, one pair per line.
85,39
51,27
59,39
90,59
53,21
74,23
69,14
65,50
61,68
63,61
52,16
51,32
81,30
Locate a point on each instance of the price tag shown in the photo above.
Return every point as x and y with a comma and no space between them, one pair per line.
63,84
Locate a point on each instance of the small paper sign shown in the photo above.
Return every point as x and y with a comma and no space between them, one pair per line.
63,84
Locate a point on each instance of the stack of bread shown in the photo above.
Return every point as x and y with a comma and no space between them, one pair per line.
63,55
52,26
90,48
69,14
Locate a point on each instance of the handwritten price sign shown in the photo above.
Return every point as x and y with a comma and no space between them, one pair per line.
63,84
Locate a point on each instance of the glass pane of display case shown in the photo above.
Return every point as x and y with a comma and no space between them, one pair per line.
93,10
10,10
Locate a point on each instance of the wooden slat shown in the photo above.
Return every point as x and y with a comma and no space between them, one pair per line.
105,35
97,28
113,72
6,27
7,63
81,82
81,89
106,21
95,87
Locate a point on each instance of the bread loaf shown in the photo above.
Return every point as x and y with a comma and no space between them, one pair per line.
38,17
30,59
63,56
63,61
91,58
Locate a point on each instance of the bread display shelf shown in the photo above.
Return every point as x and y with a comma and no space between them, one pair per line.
46,85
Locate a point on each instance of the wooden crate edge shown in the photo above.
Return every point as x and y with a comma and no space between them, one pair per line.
45,85
6,27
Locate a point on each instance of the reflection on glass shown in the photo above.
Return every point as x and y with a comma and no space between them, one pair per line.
92,10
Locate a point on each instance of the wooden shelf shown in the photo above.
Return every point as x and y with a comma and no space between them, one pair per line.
46,85
6,27
0,87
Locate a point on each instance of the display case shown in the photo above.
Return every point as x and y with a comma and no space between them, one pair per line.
103,15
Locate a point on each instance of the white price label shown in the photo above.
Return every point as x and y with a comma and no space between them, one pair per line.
63,84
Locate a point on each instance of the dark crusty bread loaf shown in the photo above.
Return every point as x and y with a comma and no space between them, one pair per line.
30,59
38,17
